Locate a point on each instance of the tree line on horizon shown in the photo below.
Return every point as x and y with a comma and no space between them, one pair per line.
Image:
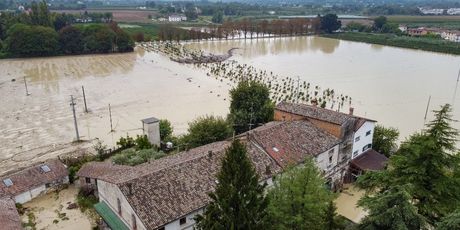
42,33
248,28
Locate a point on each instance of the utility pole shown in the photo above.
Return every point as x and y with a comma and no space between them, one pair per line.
25,84
84,98
110,114
426,111
72,103
455,91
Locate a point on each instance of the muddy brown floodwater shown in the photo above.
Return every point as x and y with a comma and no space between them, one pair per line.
388,84
136,85
391,85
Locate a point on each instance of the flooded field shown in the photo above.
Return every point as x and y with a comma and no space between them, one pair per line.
391,85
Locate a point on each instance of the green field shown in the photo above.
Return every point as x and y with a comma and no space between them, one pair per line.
428,44
446,22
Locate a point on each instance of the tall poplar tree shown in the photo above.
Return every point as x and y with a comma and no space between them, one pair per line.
238,201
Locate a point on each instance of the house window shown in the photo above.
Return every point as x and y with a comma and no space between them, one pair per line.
133,217
162,228
183,221
357,138
368,133
355,153
88,180
119,206
330,159
367,147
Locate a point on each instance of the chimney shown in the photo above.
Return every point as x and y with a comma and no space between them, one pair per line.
351,110
314,102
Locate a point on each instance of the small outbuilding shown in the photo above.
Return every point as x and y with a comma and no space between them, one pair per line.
24,185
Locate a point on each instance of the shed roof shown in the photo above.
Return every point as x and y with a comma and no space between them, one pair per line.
150,120
32,177
9,216
370,160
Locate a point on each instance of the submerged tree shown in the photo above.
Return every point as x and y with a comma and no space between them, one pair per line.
299,199
250,105
238,201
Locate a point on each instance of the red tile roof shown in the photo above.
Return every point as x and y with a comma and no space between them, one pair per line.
291,142
9,216
171,187
32,177
317,113
370,160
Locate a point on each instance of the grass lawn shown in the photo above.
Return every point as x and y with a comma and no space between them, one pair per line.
447,22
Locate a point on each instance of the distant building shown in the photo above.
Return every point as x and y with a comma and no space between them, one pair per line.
453,36
453,11
403,28
431,11
417,31
177,18
29,183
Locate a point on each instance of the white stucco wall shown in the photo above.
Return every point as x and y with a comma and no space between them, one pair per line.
109,193
152,130
363,139
322,160
190,222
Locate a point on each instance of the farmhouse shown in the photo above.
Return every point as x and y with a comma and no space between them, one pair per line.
29,183
169,192
176,18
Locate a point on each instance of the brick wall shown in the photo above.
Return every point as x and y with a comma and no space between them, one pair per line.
331,128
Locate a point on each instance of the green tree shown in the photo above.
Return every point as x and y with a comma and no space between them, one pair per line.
299,199
99,38
44,18
208,129
71,40
391,209
250,106
218,17
384,140
238,201
27,41
450,222
331,220
166,129
428,161
379,22
330,23
124,42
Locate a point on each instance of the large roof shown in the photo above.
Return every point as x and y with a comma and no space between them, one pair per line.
291,142
24,180
166,189
370,160
318,113
9,216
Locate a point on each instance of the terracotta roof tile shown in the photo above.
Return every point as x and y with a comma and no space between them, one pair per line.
32,177
291,142
171,187
9,216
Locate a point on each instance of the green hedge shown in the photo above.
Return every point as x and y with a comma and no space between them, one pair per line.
421,43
